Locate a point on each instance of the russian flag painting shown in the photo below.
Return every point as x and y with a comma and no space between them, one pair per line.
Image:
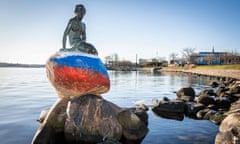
75,73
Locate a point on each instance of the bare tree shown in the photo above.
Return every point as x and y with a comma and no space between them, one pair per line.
230,58
223,58
235,58
173,57
107,60
187,53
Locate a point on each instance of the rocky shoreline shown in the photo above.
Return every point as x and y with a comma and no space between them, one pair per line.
92,119
220,105
224,74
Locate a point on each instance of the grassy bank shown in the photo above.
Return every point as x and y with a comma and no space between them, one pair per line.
209,67
227,71
219,67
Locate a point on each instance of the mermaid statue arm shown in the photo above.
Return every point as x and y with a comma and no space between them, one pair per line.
83,33
66,32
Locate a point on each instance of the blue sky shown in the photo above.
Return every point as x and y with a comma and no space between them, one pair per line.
31,31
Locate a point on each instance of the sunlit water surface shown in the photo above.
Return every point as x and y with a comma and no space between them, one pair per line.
24,92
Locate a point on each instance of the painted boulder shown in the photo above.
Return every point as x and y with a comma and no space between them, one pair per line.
76,73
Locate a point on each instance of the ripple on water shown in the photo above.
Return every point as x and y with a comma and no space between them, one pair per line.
25,92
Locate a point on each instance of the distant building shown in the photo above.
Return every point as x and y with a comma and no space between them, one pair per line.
178,62
214,58
152,62
111,60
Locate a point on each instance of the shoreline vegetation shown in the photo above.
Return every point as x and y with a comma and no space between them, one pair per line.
3,64
206,67
220,71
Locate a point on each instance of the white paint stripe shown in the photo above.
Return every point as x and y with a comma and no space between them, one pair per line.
65,54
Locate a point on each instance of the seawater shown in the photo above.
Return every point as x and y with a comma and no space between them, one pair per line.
24,92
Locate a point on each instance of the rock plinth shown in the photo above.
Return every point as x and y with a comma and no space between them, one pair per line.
51,130
91,119
81,115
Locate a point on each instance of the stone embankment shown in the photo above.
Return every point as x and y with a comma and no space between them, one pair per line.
214,73
221,106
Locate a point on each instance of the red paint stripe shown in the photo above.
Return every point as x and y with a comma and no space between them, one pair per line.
79,79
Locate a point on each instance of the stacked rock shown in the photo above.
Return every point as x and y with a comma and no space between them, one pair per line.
81,115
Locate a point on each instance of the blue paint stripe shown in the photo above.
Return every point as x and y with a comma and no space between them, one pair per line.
84,62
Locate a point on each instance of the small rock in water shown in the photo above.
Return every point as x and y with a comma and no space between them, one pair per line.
171,110
165,99
214,84
192,109
43,115
206,100
217,118
168,107
142,107
186,94
134,129
209,92
141,113
51,131
222,103
209,114
200,114
221,91
187,91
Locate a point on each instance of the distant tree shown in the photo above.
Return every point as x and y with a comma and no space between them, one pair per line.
115,57
223,58
187,53
173,57
108,60
112,59
124,63
235,57
230,58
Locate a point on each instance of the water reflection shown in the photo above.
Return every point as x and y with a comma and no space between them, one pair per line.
144,85
25,92
128,88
